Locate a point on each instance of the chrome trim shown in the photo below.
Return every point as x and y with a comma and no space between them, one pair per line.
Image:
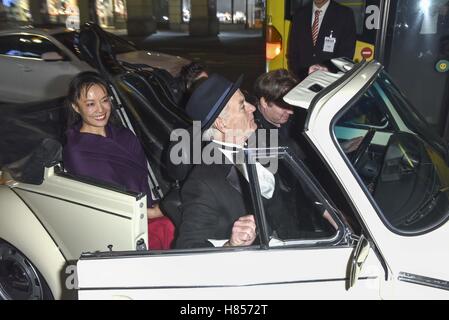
22,58
423,281
222,286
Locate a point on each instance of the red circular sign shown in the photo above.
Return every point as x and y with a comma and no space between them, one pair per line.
367,53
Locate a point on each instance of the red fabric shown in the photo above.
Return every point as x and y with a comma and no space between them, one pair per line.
161,233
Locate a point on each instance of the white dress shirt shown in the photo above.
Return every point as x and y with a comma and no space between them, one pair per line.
323,10
265,177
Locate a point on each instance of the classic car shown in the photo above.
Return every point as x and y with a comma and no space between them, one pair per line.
389,200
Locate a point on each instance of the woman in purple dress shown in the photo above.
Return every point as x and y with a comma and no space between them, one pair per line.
98,147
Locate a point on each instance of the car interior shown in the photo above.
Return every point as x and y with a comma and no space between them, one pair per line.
401,170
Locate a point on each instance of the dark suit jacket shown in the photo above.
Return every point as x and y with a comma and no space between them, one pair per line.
211,203
302,54
215,196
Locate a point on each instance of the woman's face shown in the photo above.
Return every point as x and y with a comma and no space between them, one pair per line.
94,107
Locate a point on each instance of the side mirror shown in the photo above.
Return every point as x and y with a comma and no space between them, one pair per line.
358,260
52,56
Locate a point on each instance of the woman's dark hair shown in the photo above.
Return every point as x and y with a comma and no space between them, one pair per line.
78,87
274,85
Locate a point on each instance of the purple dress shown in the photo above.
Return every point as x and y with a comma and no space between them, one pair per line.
117,158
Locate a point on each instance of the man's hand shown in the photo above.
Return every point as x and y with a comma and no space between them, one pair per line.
155,212
351,145
243,232
317,67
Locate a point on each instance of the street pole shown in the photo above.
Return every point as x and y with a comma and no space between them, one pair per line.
232,11
247,17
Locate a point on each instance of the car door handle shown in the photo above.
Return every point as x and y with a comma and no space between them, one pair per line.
25,68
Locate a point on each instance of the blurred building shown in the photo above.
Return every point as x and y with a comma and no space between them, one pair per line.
15,11
139,17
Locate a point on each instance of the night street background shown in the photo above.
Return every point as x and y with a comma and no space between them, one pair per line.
230,54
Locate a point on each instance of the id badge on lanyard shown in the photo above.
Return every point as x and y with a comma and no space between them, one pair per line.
329,43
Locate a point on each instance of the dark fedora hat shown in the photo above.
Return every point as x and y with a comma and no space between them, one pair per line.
209,99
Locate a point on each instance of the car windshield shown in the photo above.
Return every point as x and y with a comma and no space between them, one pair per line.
70,40
401,161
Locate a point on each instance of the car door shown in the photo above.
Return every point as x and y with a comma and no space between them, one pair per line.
83,215
10,87
310,264
43,79
385,186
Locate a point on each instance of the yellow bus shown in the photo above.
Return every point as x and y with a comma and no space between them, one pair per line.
280,12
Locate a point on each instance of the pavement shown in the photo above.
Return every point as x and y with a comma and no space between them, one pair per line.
229,54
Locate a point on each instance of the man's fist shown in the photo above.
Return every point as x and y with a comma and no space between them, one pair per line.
243,232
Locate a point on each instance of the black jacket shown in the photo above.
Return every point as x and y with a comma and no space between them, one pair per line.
215,196
211,203
302,54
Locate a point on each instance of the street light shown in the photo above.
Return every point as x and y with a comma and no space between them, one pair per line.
424,5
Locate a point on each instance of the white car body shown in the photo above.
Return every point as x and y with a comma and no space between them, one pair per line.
53,223
31,78
396,267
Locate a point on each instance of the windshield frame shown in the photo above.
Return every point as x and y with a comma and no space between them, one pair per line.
301,172
377,77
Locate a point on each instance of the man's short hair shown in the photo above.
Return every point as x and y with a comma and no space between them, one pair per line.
274,85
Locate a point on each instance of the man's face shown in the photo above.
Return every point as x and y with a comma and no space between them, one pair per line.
320,3
239,119
275,114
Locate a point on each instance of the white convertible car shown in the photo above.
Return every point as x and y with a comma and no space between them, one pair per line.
389,201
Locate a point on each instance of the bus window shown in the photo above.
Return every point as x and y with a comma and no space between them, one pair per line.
416,50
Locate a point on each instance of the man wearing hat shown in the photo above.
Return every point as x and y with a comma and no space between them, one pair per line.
213,205
216,202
